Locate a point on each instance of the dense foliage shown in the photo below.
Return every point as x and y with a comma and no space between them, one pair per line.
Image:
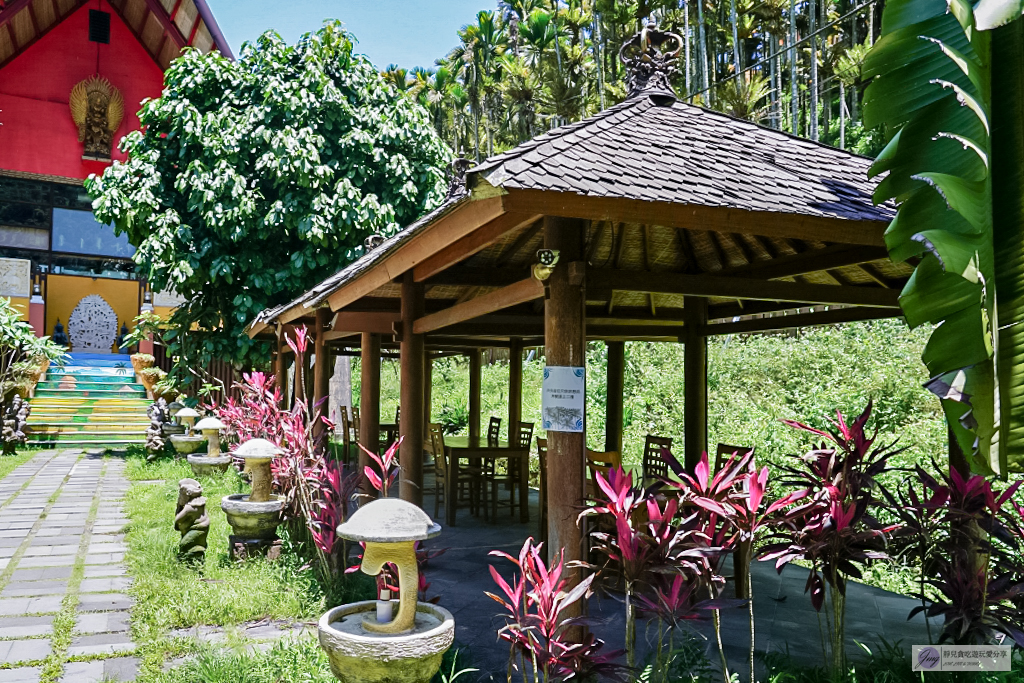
252,180
753,383
23,358
947,83
535,64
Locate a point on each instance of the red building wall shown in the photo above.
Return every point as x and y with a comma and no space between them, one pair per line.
37,134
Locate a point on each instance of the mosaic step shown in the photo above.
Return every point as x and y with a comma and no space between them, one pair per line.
92,401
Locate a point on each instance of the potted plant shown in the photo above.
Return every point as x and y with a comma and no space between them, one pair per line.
140,362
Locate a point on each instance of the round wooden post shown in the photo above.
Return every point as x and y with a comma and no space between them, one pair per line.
515,386
565,345
321,380
695,380
411,427
280,369
616,388
474,393
369,403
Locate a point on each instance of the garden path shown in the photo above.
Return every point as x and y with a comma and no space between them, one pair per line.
63,610
784,618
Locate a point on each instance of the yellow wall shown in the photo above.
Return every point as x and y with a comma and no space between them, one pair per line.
20,303
63,292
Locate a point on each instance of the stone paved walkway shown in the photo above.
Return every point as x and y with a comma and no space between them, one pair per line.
62,579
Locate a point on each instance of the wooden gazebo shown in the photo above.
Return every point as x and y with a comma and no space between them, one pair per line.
671,223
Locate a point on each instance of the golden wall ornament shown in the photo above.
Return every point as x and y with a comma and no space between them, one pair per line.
97,108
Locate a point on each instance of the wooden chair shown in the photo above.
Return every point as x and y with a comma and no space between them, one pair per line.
654,467
724,452
445,490
542,482
493,479
346,436
398,414
494,430
740,558
603,463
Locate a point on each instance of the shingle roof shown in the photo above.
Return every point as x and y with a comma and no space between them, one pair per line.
674,152
684,154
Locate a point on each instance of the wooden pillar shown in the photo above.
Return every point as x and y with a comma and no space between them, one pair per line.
411,427
280,368
321,378
695,380
515,386
565,345
474,393
428,377
369,403
616,387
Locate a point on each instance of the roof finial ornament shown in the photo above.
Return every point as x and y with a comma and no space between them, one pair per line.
457,177
649,65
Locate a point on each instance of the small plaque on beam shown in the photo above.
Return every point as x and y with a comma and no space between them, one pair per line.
563,399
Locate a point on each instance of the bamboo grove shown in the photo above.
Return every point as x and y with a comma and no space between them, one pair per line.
531,65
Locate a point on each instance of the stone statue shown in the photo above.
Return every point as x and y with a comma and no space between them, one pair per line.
97,109
155,442
15,419
59,337
191,522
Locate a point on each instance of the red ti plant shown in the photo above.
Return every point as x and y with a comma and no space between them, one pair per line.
970,544
383,478
537,625
833,527
316,491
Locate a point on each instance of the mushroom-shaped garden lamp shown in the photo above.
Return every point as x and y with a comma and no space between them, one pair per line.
257,454
390,528
210,428
187,416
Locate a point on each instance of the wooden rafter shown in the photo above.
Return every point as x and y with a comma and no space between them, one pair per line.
831,317
520,292
471,243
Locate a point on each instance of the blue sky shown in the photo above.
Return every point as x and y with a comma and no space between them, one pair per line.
404,32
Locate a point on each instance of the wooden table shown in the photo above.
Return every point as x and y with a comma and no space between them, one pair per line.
466,447
388,433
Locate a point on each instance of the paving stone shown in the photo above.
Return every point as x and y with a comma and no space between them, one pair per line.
19,606
23,674
100,570
103,602
16,589
47,561
106,585
100,644
44,574
121,668
25,627
102,622
104,558
23,650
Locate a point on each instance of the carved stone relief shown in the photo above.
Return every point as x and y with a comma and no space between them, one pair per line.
15,277
169,298
92,325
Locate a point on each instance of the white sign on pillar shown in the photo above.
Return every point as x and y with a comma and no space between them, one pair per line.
563,399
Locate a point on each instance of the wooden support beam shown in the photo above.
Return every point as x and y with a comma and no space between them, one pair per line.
412,380
692,217
604,281
169,27
565,345
474,393
471,243
515,385
695,382
459,222
613,418
520,292
782,322
369,404
347,322
428,378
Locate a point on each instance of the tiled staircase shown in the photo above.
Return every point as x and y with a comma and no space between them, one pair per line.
93,401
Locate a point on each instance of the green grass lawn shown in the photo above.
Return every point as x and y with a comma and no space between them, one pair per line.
170,595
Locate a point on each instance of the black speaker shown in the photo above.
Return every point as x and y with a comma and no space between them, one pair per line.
99,26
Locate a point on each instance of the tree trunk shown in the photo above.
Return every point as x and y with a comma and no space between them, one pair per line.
703,47
687,62
340,387
735,41
813,114
794,102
